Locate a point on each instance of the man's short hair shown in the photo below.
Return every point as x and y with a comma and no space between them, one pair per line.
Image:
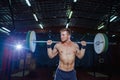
66,29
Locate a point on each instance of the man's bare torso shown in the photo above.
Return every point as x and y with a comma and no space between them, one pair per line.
67,55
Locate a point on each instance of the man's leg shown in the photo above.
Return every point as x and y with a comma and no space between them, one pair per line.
73,75
58,75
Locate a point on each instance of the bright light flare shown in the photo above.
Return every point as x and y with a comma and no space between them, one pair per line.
19,46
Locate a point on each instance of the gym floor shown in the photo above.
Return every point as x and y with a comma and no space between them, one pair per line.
47,74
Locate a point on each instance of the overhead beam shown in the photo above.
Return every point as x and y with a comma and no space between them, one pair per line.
12,14
73,29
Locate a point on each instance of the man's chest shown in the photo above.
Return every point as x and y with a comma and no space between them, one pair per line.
67,50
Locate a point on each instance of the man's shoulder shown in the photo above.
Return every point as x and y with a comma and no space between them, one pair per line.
75,44
58,43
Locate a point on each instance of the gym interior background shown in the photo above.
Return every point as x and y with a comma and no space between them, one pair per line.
85,18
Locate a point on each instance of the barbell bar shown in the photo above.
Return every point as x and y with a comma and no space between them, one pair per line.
100,42
44,41
97,43
58,41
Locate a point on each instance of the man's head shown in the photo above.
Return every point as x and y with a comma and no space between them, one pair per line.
65,34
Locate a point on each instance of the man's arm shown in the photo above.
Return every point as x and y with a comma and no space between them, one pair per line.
80,52
52,53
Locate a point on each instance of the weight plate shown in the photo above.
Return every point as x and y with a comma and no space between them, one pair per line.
99,43
106,43
31,37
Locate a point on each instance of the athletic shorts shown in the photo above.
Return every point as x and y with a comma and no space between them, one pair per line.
63,75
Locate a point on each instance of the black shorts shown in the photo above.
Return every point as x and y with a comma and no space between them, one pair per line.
63,75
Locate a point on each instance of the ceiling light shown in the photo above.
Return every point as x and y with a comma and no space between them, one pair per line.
6,29
113,18
67,25
35,17
100,27
113,35
70,15
28,2
41,26
74,0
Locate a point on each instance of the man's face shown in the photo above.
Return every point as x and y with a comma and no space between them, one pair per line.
64,36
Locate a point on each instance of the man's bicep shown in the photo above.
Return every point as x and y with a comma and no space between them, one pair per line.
77,50
55,49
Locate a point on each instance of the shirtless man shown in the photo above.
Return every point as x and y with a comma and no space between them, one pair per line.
67,51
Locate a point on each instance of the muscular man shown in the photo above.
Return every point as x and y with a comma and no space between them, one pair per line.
67,51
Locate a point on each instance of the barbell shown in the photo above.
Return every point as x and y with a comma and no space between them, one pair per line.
100,42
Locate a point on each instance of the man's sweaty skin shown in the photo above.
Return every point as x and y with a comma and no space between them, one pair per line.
67,51
67,54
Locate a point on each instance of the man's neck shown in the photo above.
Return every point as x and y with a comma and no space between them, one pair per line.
66,42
